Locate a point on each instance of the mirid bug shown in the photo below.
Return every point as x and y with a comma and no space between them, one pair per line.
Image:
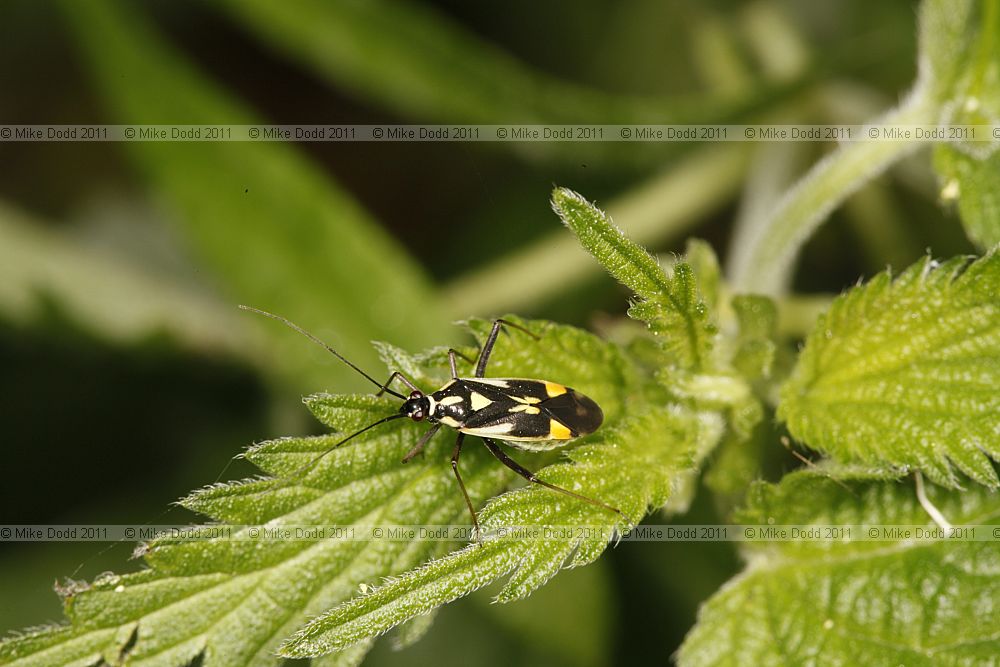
528,414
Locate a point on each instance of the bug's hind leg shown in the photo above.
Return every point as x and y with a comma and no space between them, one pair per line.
484,355
468,502
530,476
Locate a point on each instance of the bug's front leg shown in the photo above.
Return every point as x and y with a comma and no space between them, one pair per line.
419,447
396,374
452,353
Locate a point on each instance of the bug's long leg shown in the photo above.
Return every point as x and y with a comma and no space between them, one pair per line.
454,466
530,476
419,447
396,374
452,353
484,355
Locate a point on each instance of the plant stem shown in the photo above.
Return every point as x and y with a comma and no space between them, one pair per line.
651,214
763,261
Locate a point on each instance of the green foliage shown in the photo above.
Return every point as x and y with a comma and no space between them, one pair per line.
577,628
970,170
893,601
975,179
899,375
234,600
755,346
264,217
620,465
414,60
669,304
905,373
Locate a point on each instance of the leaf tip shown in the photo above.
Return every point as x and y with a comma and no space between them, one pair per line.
563,201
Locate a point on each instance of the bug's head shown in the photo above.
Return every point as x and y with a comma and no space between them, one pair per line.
416,407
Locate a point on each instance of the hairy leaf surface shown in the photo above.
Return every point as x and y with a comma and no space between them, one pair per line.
232,600
633,466
669,302
839,602
905,372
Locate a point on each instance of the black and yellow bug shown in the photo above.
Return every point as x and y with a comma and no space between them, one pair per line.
533,415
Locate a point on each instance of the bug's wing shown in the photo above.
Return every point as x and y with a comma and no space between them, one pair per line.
499,422
578,413
544,425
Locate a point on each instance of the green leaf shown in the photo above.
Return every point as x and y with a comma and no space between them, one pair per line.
970,170
233,600
905,373
621,465
757,317
669,304
973,182
277,232
907,601
737,462
113,295
701,257
417,62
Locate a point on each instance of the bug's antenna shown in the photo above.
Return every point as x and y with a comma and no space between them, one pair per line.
291,325
329,449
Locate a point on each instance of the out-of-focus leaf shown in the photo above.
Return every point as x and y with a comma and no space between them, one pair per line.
569,618
654,212
114,297
973,181
415,60
970,170
277,232
755,347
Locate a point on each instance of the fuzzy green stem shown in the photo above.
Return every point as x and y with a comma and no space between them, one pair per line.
764,258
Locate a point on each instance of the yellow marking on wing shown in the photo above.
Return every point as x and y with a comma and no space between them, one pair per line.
479,401
525,408
558,431
451,400
448,421
553,389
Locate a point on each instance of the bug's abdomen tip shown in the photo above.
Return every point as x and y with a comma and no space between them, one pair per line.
580,414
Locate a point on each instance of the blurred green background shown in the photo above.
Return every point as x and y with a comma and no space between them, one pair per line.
128,376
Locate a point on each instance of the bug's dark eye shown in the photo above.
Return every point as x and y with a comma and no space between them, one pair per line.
417,416
416,394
